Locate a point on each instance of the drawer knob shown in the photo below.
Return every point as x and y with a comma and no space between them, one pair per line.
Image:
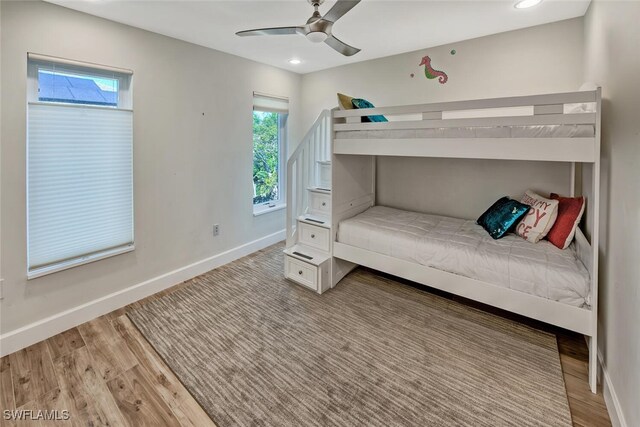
300,272
313,236
324,203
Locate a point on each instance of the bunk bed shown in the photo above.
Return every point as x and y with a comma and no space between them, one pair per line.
559,127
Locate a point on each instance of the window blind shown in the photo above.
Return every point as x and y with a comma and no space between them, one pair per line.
270,103
80,183
47,59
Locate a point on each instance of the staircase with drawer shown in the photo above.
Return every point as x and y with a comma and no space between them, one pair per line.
308,259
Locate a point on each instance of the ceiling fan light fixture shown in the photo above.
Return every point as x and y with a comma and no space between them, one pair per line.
316,36
524,4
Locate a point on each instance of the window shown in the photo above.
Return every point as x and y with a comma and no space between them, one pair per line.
269,152
79,164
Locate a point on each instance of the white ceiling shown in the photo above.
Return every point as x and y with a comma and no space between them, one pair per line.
379,27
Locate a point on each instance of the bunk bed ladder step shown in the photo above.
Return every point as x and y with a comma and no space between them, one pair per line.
308,252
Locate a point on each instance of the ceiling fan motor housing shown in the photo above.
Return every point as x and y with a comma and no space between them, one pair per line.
317,29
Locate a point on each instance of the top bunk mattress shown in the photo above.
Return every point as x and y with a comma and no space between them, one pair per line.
462,247
539,131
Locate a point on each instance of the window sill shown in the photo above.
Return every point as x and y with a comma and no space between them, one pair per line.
265,209
65,265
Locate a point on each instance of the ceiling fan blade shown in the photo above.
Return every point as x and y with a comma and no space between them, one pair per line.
276,31
341,46
339,9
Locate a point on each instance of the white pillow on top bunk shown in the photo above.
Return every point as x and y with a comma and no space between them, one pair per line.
583,107
540,218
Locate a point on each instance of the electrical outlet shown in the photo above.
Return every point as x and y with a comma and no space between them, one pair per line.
216,229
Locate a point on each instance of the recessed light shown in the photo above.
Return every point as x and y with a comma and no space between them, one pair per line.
523,4
294,61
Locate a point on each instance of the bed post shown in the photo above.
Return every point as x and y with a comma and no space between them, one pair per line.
572,190
355,194
595,234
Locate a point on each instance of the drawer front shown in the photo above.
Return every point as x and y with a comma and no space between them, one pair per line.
321,203
301,272
314,236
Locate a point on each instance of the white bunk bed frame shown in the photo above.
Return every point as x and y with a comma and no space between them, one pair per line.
354,178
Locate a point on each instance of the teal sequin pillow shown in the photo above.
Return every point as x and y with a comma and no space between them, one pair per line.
502,217
363,103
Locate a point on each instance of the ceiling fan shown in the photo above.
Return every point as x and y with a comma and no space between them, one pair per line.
318,27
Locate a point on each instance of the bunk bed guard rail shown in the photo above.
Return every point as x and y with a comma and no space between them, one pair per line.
552,127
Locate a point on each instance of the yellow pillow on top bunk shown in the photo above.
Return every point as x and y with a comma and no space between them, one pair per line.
540,218
344,102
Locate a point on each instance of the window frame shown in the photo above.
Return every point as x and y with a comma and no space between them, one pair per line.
281,203
125,103
125,99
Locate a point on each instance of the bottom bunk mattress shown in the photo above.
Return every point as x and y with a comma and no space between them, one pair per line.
462,247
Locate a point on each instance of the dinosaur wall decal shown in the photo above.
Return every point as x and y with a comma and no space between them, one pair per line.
430,73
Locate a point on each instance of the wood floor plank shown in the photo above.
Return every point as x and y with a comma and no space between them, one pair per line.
40,412
583,414
83,389
162,379
29,421
43,377
574,367
6,384
586,408
578,390
65,343
55,400
32,373
7,423
116,313
570,344
6,390
138,402
21,377
109,351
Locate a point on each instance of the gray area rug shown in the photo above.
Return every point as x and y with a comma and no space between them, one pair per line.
257,350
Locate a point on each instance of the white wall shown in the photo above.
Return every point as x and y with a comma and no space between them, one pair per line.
612,59
192,152
536,60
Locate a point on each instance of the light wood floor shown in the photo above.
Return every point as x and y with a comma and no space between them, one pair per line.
105,373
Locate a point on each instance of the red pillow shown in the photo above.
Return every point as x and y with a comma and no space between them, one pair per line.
570,210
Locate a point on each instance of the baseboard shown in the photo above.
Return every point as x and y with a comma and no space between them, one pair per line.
42,329
610,398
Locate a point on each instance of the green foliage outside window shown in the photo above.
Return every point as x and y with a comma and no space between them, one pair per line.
266,157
